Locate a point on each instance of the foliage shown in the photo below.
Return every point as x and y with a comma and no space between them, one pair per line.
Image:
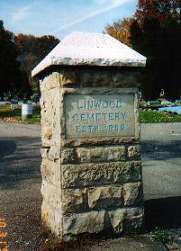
160,9
14,115
156,33
160,234
121,30
18,55
31,50
158,117
10,74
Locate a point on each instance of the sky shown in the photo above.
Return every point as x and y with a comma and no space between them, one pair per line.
61,17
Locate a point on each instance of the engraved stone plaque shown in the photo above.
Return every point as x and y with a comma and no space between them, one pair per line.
106,115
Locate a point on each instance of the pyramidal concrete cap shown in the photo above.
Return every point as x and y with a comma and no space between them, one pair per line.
93,49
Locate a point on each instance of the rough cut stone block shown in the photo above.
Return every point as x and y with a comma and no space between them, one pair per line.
98,174
51,153
126,219
68,156
88,77
90,222
132,193
134,152
134,220
126,79
47,214
74,200
52,218
51,194
105,197
47,134
47,169
101,154
54,153
117,219
69,77
91,78
44,152
50,117
103,78
58,231
50,171
50,82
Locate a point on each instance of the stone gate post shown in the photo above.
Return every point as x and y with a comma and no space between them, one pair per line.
91,161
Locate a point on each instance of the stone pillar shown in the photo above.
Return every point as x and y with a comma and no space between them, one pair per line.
91,162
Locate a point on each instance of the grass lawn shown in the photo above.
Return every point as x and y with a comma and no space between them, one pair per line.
158,117
9,115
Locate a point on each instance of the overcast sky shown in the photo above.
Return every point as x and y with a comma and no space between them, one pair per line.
61,17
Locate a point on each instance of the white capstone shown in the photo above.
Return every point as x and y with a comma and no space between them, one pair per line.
82,48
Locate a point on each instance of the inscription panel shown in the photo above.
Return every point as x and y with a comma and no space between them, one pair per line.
92,116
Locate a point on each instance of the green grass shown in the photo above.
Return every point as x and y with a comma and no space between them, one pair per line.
160,234
7,114
158,117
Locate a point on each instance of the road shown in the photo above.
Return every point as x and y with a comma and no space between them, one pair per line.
20,180
161,147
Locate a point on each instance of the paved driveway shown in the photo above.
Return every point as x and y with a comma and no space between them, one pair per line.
20,180
161,147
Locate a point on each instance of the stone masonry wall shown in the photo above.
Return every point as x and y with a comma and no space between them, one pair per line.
88,187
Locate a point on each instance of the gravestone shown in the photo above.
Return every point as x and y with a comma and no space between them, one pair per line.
91,162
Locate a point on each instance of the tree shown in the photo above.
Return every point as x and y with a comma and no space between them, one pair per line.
18,55
160,9
31,50
156,33
120,30
10,76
